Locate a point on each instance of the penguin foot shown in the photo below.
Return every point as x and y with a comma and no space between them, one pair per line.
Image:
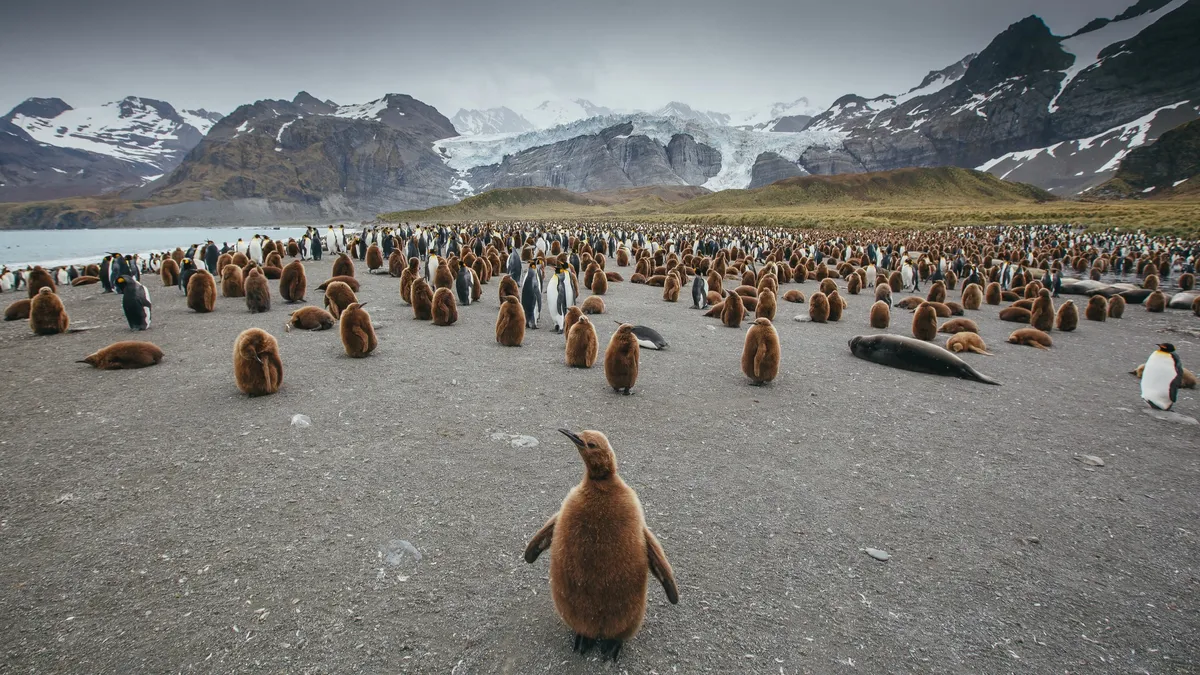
583,644
627,392
610,648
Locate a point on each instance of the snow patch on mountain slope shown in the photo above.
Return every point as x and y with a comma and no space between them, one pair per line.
762,117
1086,48
491,121
739,148
554,113
363,111
139,137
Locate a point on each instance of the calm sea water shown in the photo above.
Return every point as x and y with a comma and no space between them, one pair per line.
73,247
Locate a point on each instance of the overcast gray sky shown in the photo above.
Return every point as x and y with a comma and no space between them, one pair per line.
728,55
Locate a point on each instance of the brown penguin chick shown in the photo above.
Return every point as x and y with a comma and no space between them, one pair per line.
972,297
714,283
955,308
343,266
1187,281
1031,337
272,272
18,311
793,296
769,282
621,359
671,289
573,314
1025,303
396,263
993,295
582,344
937,292
1067,318
510,323
967,342
924,324
87,280
407,275
338,296
1156,302
273,260
1150,283
258,292
599,284
442,276
1196,306
445,310
421,297
358,335
1041,316
508,286
1011,296
310,318
853,284
881,315
293,284
714,298
374,257
169,272
911,302
942,309
818,307
828,286
125,355
733,310
896,281
593,305
622,257
614,277
1096,308
38,279
951,280
746,291
238,259
601,553
767,305
883,292
222,260
349,281
836,306
1116,307
637,278
1187,380
761,352
1015,314
201,292
257,368
959,325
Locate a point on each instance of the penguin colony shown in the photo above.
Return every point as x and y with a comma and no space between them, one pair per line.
1017,277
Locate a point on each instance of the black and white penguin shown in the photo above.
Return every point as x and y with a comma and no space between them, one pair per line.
700,292
186,269
513,265
531,297
211,256
464,285
136,303
648,338
560,294
106,273
1162,377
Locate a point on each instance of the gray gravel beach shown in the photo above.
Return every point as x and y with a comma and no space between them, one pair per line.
158,520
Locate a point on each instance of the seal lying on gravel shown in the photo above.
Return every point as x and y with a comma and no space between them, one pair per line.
909,354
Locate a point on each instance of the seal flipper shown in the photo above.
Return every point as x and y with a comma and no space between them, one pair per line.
972,374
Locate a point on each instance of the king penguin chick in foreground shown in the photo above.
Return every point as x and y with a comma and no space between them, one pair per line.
1162,377
600,553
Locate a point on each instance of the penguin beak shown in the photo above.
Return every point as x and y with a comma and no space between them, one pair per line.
574,439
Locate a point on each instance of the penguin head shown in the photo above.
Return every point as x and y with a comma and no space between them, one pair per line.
1166,347
597,454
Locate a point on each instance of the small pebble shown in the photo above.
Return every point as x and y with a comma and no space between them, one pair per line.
875,553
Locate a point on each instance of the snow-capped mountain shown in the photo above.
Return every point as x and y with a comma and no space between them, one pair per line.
687,113
1057,112
769,118
556,112
49,149
616,151
490,121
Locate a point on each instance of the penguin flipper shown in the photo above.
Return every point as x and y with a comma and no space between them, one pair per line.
541,540
759,355
659,567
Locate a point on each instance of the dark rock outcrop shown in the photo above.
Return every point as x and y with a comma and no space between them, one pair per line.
770,167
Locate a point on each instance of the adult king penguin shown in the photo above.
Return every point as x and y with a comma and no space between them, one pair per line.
135,302
560,295
700,292
1161,377
531,297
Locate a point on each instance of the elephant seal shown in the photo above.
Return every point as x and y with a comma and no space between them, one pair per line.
1183,300
910,354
